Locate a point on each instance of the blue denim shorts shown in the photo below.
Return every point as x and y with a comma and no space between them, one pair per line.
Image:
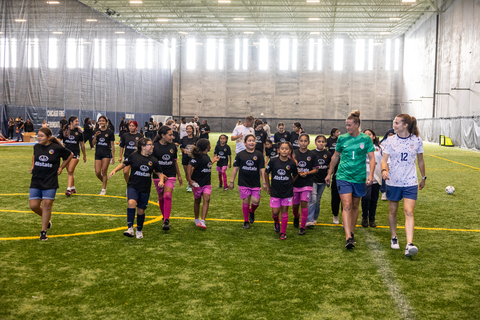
39,194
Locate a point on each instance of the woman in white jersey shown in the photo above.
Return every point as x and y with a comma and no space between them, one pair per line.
401,176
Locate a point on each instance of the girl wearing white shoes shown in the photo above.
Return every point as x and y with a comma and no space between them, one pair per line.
401,176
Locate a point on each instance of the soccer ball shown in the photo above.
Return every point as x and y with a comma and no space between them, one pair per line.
449,190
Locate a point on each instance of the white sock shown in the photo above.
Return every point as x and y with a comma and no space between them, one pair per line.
197,221
68,188
73,187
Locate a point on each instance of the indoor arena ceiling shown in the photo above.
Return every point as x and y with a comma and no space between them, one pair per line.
266,18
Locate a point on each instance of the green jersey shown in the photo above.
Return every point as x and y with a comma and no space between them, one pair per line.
353,152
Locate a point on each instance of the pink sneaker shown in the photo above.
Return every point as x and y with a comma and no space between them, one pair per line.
68,193
201,224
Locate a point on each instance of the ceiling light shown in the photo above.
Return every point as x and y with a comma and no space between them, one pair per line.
249,32
313,19
256,43
314,32
199,44
313,0
119,32
395,19
409,1
224,1
91,20
53,2
162,20
57,32
135,1
238,19
182,32
385,33
20,20
86,42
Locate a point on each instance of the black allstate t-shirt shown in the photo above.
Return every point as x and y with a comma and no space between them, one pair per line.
294,140
203,128
188,144
222,152
141,171
281,137
260,138
104,146
176,137
46,164
271,152
128,141
331,145
306,162
281,185
323,160
166,155
72,141
202,172
249,168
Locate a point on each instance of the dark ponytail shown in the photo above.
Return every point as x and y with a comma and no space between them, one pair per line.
161,132
49,134
201,146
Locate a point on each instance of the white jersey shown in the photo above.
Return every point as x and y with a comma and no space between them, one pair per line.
183,130
403,154
377,174
244,130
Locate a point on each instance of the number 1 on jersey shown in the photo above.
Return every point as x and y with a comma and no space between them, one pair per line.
353,155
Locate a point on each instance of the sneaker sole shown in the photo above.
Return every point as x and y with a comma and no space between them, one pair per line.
44,239
166,228
395,247
202,227
349,246
140,237
126,234
411,252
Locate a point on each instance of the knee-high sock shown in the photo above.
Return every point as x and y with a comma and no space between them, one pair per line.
130,217
295,213
167,205
303,220
283,227
161,203
140,221
254,207
275,218
225,184
220,178
245,210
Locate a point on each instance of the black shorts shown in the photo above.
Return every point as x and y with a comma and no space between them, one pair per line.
76,156
103,156
140,197
186,160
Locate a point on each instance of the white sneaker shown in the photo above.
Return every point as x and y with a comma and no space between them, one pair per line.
197,221
310,224
394,243
410,250
202,224
129,232
139,234
384,196
335,220
103,192
189,189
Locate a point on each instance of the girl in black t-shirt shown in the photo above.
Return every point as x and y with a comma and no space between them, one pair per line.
335,203
72,136
295,135
142,165
186,145
199,176
45,171
128,142
270,150
260,136
88,132
223,151
283,170
250,164
104,141
281,135
166,152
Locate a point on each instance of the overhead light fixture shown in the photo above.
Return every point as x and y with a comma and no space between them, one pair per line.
313,1
57,32
224,1
20,20
314,32
199,44
313,19
182,32
395,19
53,2
86,42
248,32
135,2
409,1
238,19
91,20
385,33
162,20
256,43
119,32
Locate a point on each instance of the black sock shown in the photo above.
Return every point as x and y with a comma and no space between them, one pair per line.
140,221
130,217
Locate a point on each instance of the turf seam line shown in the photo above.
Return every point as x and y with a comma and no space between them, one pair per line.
462,164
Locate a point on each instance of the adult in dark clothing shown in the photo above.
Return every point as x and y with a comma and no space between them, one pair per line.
204,130
63,122
121,127
20,128
11,128
88,131
110,125
28,126
335,203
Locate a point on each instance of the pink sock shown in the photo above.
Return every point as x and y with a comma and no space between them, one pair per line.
275,218
161,203
224,173
167,205
245,211
283,228
303,220
220,178
295,212
254,207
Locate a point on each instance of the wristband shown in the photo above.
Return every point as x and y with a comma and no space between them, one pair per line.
384,170
232,182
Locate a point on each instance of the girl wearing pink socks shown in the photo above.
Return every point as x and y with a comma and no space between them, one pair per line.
224,152
166,152
283,170
250,164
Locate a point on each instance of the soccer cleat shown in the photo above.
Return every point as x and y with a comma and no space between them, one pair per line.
365,223
335,220
202,224
129,232
353,237
372,224
276,227
349,244
410,250
246,225
252,217
103,192
197,221
189,189
283,236
43,235
166,224
384,196
296,222
225,189
68,193
301,232
394,243
49,225
73,190
139,234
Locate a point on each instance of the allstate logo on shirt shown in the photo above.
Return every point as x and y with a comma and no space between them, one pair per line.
321,161
150,163
43,158
220,153
106,135
309,158
209,165
302,164
282,140
51,151
287,167
101,140
166,157
250,163
131,143
71,138
325,156
281,172
144,168
362,145
255,158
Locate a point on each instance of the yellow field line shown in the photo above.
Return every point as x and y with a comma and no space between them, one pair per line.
462,164
80,214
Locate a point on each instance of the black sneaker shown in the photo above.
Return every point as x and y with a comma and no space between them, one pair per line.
372,224
349,244
166,224
252,217
301,232
276,226
246,225
296,222
365,223
43,235
283,236
49,225
353,238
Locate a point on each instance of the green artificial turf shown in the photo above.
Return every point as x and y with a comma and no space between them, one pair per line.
226,272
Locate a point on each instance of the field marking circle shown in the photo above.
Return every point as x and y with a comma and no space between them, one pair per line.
154,218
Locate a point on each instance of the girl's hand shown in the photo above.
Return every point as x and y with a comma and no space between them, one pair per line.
328,180
112,161
422,184
180,181
120,159
31,170
111,174
385,175
268,190
302,174
215,159
264,187
160,183
230,186
84,158
59,172
229,165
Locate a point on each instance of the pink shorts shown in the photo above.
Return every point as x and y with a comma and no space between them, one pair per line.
169,183
198,191
222,169
245,192
278,202
301,194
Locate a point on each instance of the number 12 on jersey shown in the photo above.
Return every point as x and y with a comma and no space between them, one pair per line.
403,156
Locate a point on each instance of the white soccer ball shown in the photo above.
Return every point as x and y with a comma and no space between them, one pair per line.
449,190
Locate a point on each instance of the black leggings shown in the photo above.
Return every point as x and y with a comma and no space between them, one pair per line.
335,203
88,136
10,132
369,202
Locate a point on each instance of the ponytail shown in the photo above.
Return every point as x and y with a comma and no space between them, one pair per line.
355,116
142,142
49,134
411,122
161,132
66,127
201,146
